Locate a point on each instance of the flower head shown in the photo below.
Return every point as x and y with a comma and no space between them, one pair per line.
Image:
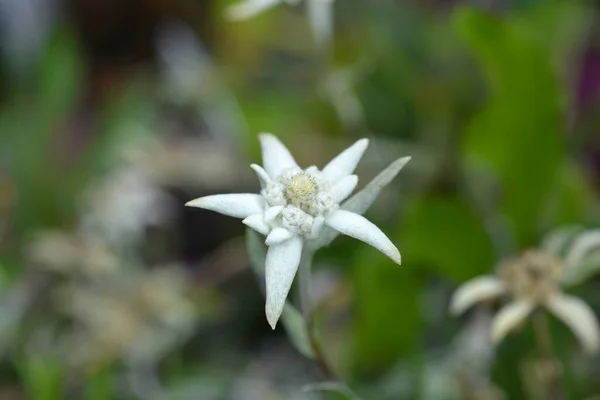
532,280
297,207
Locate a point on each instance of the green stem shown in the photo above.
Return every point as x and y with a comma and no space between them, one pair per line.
304,289
550,378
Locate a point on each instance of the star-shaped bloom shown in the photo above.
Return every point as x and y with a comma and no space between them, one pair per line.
319,14
299,208
534,280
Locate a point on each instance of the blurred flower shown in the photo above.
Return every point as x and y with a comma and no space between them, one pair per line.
138,317
319,13
64,252
534,280
293,207
123,204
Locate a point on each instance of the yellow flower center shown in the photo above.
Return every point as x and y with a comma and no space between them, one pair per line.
533,275
300,191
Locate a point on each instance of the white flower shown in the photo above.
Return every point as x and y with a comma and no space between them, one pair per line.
319,14
298,207
534,280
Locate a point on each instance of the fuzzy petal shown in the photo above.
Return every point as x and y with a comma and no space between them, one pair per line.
276,157
257,222
345,162
579,317
281,266
277,236
583,245
343,188
263,177
361,201
248,9
476,290
272,212
240,205
509,318
360,228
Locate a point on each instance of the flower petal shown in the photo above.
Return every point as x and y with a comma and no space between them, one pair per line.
248,9
263,177
276,157
345,162
360,228
239,205
272,212
579,317
277,236
583,245
476,290
361,201
343,188
281,266
257,222
510,317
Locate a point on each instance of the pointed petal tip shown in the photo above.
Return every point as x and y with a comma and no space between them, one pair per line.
272,316
194,203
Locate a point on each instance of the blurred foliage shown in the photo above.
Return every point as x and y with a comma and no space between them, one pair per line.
486,99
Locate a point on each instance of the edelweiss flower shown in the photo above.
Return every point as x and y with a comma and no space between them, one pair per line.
534,280
320,14
296,207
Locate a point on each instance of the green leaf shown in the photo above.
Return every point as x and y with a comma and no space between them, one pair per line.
387,321
518,132
444,233
43,377
334,387
99,385
297,330
256,252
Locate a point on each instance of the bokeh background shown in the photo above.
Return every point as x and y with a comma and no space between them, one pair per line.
114,113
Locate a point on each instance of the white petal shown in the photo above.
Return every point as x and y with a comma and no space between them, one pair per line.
360,228
276,157
257,222
361,201
510,317
277,236
239,205
320,18
248,9
345,162
281,266
583,245
578,316
343,188
476,290
263,177
557,240
272,212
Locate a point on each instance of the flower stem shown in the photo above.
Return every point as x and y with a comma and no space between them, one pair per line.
305,279
550,371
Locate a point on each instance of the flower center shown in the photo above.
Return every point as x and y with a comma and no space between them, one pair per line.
301,191
533,275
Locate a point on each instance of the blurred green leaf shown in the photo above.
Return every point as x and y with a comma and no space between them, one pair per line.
387,316
297,330
445,233
99,385
518,132
43,377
